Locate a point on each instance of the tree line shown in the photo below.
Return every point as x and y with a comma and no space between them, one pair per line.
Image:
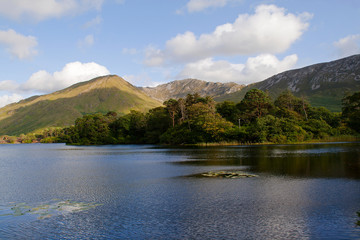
197,119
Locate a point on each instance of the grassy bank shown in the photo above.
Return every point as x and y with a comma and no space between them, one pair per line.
343,138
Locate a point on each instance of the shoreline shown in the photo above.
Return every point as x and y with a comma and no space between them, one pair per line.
312,141
338,139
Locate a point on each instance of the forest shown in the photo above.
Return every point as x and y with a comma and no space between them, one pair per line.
196,119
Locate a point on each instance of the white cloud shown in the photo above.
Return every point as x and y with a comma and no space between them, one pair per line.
45,82
8,85
130,51
153,57
200,5
142,79
93,22
269,30
7,99
88,41
74,72
255,69
348,45
42,9
18,45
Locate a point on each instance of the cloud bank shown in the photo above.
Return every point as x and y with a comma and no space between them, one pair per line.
74,72
255,69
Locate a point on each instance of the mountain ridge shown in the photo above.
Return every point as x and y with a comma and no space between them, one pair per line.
180,88
323,84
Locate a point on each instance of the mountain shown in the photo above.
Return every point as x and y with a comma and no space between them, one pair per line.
180,88
322,84
61,108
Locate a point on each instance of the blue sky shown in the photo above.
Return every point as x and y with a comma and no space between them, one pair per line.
47,45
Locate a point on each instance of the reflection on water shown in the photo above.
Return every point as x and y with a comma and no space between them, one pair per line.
313,160
142,192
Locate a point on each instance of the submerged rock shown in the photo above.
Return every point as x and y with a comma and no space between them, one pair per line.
47,210
227,174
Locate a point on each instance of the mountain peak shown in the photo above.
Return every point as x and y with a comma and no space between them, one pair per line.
107,81
61,108
180,88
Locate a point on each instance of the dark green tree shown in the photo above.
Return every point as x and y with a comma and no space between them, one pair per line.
351,110
319,128
92,129
229,111
172,108
200,122
255,104
137,127
158,122
289,106
120,129
321,113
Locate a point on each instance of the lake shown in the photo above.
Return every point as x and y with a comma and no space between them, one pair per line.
54,191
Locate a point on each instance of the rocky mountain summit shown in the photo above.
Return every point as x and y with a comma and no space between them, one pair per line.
180,88
318,77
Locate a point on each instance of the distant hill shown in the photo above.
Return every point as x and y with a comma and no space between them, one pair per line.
180,88
322,84
61,108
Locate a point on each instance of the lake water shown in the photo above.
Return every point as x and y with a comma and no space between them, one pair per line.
54,191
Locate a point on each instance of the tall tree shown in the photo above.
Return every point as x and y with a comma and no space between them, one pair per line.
229,111
158,121
93,129
290,106
255,104
172,108
182,108
137,127
351,110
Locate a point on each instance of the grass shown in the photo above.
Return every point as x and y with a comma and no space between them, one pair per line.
343,138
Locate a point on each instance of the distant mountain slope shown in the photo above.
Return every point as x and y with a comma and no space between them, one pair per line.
322,84
61,108
180,88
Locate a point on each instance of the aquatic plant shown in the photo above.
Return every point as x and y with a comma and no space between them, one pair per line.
46,210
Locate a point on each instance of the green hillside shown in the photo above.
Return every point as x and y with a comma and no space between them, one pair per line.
109,93
323,84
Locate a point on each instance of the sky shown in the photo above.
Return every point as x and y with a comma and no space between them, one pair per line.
48,45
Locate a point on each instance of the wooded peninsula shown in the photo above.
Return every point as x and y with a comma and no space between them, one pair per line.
200,120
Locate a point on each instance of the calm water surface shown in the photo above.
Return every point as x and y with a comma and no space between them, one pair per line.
149,192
